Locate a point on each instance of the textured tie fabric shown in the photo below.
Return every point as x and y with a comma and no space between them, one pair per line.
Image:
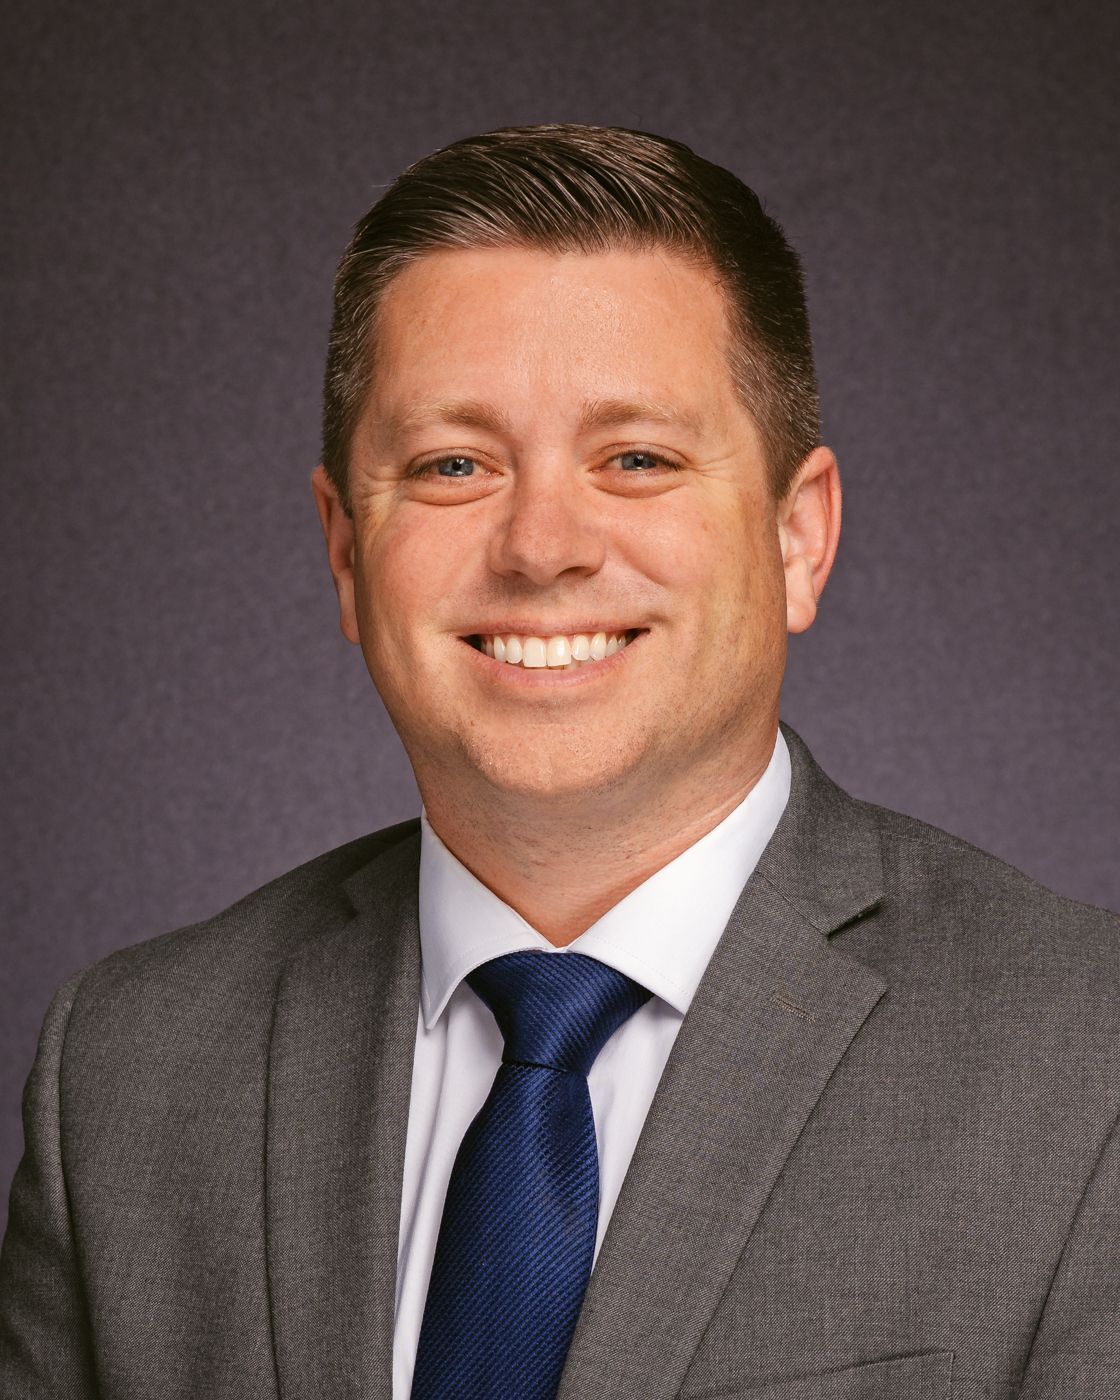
517,1236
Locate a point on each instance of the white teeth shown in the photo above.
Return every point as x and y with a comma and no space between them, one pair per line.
557,653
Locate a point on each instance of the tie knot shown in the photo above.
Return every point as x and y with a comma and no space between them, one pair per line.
555,1009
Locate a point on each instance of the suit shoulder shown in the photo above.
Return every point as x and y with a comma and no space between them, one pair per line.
958,882
244,945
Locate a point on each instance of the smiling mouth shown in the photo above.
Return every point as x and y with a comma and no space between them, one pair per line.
555,653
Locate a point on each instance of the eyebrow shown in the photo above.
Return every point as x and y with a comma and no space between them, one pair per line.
612,413
595,413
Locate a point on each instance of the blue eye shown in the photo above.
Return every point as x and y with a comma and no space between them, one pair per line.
454,466
642,461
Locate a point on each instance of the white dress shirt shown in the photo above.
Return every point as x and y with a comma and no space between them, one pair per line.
662,934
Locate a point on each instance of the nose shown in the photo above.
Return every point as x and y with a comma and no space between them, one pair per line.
550,527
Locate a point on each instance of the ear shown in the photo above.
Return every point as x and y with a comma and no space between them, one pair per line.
809,532
338,531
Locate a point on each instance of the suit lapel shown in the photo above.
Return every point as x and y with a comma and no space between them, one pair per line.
775,1012
339,1079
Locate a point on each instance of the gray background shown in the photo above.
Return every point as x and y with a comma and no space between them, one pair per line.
183,720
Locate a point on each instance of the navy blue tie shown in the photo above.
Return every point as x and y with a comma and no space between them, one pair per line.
518,1231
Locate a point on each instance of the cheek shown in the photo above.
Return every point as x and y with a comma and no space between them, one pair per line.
719,555
673,548
408,567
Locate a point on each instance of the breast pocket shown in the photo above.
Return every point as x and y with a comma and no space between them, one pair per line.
925,1377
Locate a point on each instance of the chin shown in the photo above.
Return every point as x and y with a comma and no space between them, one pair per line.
550,770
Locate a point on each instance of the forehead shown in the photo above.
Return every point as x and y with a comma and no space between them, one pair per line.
543,325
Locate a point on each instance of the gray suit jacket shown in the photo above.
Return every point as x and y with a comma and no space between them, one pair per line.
883,1160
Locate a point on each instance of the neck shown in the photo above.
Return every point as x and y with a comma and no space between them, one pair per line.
563,861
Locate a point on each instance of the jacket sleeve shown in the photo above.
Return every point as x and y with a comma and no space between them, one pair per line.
1076,1350
46,1350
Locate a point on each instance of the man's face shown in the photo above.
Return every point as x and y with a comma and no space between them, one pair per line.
552,447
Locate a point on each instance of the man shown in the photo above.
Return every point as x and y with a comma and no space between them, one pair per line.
647,1062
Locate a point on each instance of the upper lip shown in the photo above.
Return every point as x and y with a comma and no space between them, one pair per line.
536,629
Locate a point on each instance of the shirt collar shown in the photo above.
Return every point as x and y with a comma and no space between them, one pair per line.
662,933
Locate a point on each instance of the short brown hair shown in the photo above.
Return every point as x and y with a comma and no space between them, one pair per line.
589,189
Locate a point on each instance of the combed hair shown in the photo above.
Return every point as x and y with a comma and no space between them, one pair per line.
567,188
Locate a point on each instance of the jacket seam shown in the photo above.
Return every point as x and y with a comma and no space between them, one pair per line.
78,981
1106,1144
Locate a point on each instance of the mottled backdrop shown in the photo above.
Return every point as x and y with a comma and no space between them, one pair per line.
182,718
